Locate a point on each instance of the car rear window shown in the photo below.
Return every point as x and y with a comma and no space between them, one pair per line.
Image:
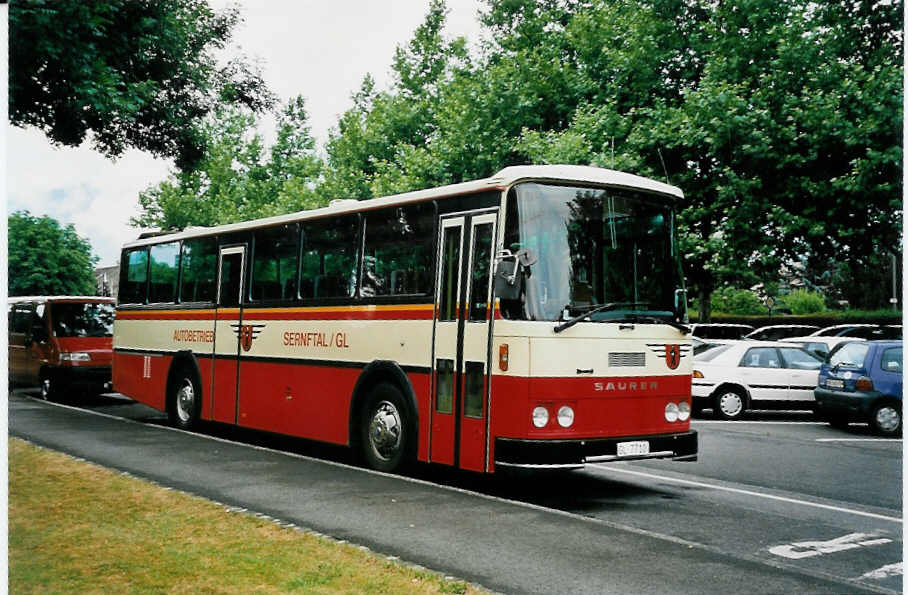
711,354
798,359
849,354
891,360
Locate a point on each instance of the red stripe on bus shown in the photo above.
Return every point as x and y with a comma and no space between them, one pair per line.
342,315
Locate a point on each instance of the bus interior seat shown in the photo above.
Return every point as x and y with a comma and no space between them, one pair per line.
307,288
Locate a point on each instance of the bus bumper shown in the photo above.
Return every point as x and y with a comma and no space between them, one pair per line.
574,454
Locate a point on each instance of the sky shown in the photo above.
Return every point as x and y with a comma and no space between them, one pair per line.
320,50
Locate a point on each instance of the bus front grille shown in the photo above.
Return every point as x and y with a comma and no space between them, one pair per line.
626,360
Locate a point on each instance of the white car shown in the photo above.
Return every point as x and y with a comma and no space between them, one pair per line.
746,375
819,346
777,332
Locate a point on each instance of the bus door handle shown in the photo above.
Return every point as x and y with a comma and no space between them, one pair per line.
584,370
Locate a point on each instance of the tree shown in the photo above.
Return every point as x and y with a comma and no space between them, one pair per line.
129,73
779,120
47,259
237,178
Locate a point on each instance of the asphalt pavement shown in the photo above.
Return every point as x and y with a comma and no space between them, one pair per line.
641,528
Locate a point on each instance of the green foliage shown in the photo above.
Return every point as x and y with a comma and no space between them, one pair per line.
779,119
802,301
238,178
737,301
776,120
133,74
47,259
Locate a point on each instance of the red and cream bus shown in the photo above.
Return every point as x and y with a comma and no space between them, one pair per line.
532,319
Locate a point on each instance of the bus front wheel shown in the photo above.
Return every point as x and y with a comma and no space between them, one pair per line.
383,429
183,400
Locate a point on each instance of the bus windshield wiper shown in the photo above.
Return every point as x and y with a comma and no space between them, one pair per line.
653,320
609,306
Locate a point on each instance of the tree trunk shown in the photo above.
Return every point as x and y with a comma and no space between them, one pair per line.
705,312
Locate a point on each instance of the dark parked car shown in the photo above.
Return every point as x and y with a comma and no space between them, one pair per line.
719,330
862,382
861,331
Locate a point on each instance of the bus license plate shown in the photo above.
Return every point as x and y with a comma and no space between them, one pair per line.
627,449
833,383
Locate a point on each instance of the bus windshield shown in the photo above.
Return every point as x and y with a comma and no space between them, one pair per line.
86,319
594,247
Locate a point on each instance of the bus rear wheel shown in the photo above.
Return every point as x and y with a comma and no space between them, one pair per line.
384,435
183,400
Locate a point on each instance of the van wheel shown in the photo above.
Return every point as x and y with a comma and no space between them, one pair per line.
384,437
50,387
729,403
886,419
184,400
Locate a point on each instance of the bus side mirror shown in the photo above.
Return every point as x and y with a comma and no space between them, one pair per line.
507,282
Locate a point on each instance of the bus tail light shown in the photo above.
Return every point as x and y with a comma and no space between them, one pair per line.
863,384
503,357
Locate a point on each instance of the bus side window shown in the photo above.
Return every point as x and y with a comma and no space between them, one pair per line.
198,272
134,277
398,251
275,263
165,262
330,253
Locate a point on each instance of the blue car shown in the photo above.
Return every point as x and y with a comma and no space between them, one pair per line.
862,382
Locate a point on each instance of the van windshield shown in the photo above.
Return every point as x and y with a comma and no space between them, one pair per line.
73,319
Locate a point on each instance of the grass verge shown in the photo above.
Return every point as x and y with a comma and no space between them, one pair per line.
77,527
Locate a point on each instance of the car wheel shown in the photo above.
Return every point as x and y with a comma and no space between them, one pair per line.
184,400
729,403
384,429
886,419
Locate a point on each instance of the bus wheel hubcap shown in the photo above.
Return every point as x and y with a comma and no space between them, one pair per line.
887,419
730,404
385,430
185,401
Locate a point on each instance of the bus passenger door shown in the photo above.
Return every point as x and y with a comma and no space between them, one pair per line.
463,316
447,323
477,315
227,334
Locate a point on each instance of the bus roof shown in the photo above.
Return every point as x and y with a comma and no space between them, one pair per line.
500,181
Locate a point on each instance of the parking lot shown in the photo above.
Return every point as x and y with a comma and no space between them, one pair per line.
787,502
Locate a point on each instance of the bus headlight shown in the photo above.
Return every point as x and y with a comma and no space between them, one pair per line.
540,417
565,417
683,411
671,412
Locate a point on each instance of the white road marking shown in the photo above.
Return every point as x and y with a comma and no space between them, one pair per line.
884,572
858,439
741,422
808,549
713,486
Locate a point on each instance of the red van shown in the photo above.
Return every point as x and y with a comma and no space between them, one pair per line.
61,343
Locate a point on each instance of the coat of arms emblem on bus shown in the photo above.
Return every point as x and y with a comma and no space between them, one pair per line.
247,333
672,356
